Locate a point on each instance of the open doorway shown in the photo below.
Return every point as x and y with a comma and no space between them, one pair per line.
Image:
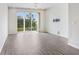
28,21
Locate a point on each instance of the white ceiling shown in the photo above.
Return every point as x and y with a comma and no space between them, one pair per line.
31,5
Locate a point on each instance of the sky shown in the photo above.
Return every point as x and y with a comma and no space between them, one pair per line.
35,15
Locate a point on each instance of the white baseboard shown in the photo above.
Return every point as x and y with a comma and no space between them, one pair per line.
73,45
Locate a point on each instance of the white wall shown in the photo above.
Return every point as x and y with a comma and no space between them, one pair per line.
12,22
57,11
13,19
74,25
3,24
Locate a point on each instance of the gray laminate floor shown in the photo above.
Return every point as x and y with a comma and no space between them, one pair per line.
34,43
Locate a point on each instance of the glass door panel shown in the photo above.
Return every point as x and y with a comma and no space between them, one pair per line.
20,22
34,17
27,22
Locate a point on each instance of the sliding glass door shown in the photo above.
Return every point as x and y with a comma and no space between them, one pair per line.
35,20
20,22
27,21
